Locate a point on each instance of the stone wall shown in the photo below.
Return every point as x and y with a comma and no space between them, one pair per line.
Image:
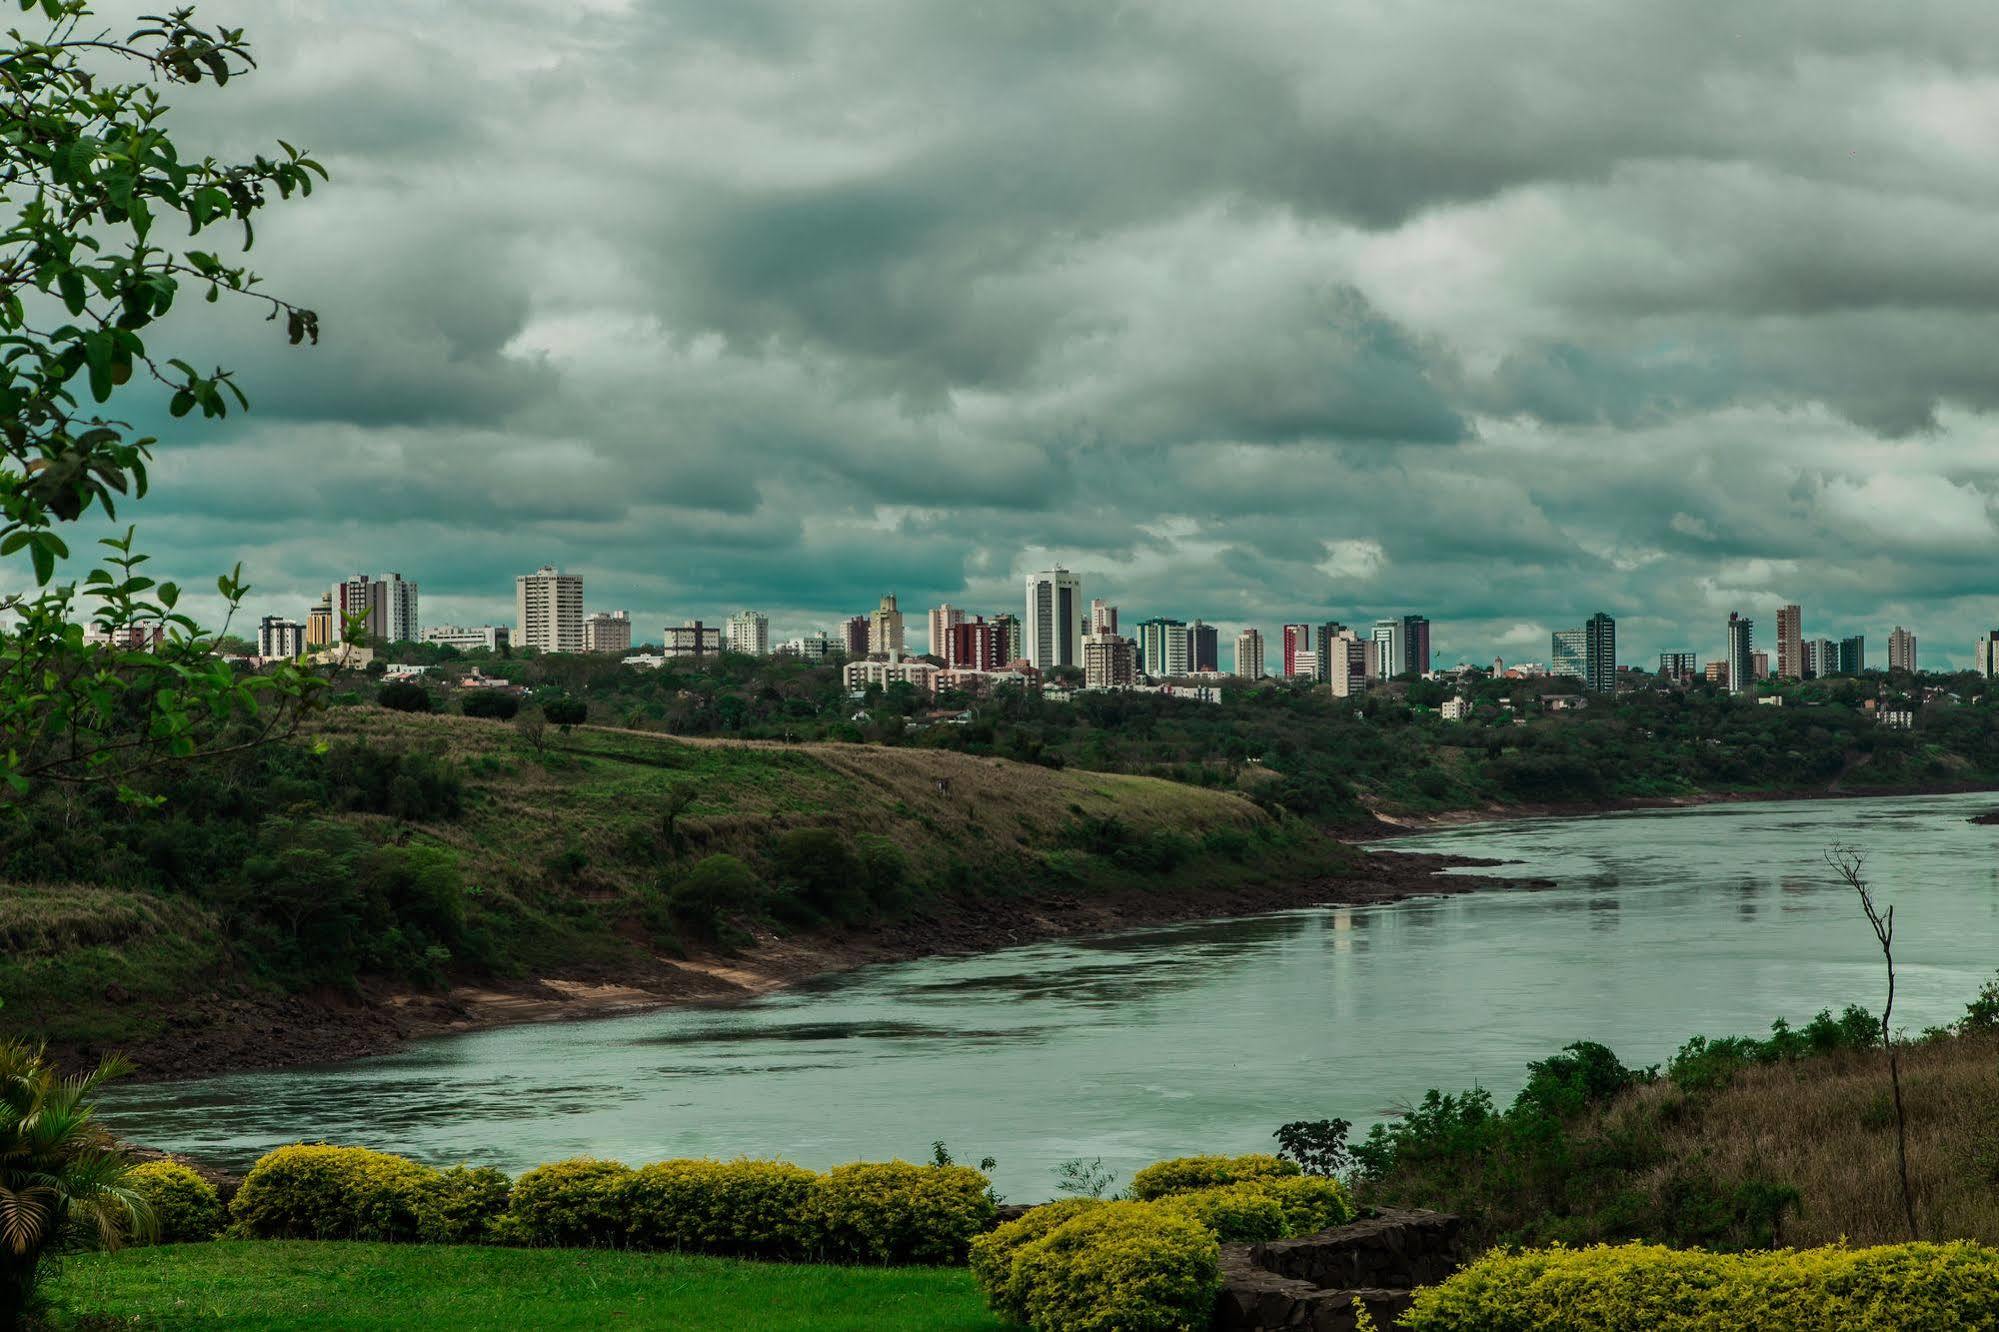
1317,1282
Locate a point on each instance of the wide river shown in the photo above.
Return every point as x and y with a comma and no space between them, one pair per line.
1199,1037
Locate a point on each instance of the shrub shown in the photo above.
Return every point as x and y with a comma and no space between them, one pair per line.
461,1204
1185,1173
565,712
185,1206
1311,1203
895,1212
575,1203
492,704
404,696
1120,1267
716,884
314,1191
993,1253
752,1208
1894,1288
1236,1213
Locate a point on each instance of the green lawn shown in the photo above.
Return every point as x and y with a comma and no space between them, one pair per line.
440,1288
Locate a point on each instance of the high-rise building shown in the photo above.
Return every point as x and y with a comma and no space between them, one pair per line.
1761,662
1600,654
1901,650
816,646
1416,644
1162,647
548,610
1346,662
1821,658
1204,651
382,608
1741,654
1103,617
692,639
853,637
1323,636
1301,655
1985,654
1249,654
1790,642
1679,665
466,638
1009,644
1852,655
747,633
319,622
1568,653
1109,662
885,628
279,638
1391,650
1053,619
607,631
973,645
942,618
1717,672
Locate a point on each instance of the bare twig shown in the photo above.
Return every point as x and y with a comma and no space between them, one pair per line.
1847,862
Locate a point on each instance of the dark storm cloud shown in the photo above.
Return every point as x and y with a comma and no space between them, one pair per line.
1507,313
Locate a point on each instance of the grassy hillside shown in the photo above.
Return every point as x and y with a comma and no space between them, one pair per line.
421,850
279,1286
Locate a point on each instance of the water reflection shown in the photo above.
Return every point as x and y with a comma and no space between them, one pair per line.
1200,1036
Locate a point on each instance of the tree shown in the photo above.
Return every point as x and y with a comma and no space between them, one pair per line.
61,1175
404,696
566,712
87,172
1847,864
496,704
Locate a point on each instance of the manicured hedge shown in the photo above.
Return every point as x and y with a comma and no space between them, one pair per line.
895,1212
1183,1174
312,1191
757,1209
578,1203
1893,1288
1121,1267
993,1253
184,1205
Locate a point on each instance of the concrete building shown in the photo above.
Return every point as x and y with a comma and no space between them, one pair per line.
1204,648
1455,708
467,638
384,608
1346,663
1162,647
608,631
1679,665
1009,644
974,645
548,610
885,629
1249,654
1391,649
747,633
1600,654
692,639
1568,653
1901,650
1109,662
1791,642
1821,658
1985,654
1301,653
1852,655
1717,672
815,646
942,619
853,637
1760,661
1741,654
1103,617
860,675
1416,644
1053,620
279,638
319,622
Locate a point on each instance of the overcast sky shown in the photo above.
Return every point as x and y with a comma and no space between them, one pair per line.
1502,313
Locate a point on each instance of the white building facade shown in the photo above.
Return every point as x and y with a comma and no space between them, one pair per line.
548,610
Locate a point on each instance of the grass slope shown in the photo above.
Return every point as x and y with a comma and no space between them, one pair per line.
272,1285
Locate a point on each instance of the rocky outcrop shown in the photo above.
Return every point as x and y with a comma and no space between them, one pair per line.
1320,1281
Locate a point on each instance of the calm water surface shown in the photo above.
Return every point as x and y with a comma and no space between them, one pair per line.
1196,1037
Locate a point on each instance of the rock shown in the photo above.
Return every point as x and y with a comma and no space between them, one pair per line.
1317,1282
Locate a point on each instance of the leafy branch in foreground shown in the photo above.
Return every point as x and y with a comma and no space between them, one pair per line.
87,171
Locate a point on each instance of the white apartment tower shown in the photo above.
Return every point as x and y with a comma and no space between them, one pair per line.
279,638
1346,663
943,619
885,629
747,633
1054,619
1249,654
385,607
548,610
1901,650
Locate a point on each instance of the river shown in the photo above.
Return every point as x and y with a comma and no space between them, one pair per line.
1198,1037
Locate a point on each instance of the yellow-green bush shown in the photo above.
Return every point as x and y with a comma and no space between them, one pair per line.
993,1253
577,1203
753,1208
461,1205
1183,1174
895,1212
1311,1203
184,1205
313,1191
1893,1288
1237,1213
1122,1267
